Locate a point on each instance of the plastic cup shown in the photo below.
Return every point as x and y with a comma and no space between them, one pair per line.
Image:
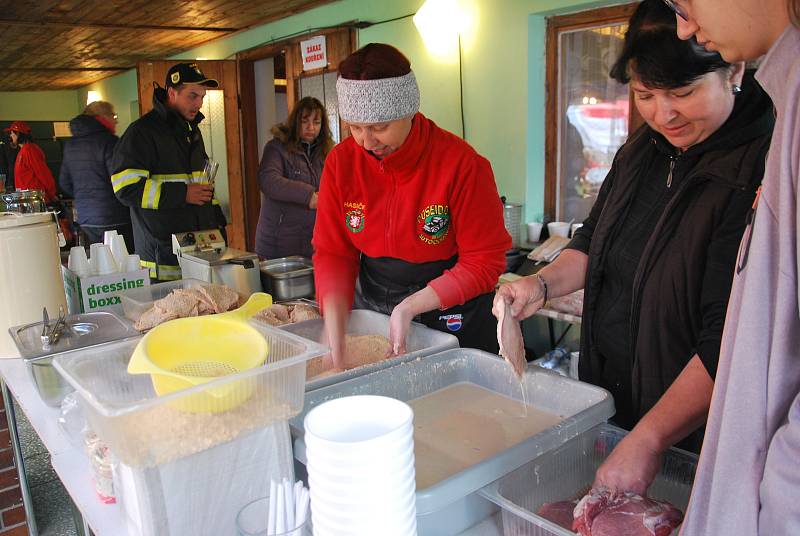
119,250
355,421
108,237
378,483
133,263
401,522
558,228
252,521
534,231
104,260
93,256
78,263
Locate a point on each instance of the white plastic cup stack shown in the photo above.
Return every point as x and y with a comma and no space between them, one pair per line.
133,263
108,237
360,452
78,263
104,261
120,251
93,256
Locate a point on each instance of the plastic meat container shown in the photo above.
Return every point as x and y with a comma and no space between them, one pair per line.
568,471
453,505
422,341
143,429
136,301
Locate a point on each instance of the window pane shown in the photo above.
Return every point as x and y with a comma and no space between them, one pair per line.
593,115
323,87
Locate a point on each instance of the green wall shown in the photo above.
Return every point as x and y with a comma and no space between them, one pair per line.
38,105
503,77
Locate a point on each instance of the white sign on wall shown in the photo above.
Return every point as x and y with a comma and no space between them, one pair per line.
315,55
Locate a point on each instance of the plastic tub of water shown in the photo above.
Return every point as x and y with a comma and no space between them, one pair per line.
566,472
452,504
422,341
145,429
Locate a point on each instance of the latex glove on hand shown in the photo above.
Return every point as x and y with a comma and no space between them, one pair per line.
525,297
632,466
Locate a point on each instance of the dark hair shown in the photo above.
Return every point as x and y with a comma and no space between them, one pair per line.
291,129
655,55
374,61
23,138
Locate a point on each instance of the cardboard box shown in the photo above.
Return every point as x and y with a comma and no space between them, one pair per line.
100,292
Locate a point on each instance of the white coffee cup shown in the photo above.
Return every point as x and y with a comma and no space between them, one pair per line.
558,228
534,231
108,237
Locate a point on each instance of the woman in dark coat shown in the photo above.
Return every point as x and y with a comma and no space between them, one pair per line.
86,174
658,251
289,177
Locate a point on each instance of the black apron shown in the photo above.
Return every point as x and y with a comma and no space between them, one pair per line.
383,282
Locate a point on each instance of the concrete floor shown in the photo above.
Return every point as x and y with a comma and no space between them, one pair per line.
51,503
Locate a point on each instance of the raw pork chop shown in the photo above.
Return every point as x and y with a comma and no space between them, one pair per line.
509,336
559,513
604,512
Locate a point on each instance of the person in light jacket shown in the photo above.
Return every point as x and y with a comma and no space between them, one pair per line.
748,479
289,178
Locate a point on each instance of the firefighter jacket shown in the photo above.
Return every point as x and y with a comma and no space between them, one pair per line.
155,159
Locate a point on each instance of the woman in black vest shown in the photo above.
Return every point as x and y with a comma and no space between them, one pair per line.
657,253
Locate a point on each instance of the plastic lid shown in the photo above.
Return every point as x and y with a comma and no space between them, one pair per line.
17,219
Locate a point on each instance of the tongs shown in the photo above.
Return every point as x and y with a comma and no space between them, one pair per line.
51,335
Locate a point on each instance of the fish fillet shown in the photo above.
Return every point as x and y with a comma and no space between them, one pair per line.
509,336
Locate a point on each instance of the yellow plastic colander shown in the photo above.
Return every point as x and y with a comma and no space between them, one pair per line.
186,352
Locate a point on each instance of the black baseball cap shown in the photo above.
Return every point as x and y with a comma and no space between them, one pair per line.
188,73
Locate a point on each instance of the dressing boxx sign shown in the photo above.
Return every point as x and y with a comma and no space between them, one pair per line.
100,292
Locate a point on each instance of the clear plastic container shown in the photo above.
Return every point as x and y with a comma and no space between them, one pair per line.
421,341
143,429
453,505
136,301
568,471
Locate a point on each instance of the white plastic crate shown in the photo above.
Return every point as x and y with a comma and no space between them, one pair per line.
144,429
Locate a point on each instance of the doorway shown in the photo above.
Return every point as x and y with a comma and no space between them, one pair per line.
221,133
271,81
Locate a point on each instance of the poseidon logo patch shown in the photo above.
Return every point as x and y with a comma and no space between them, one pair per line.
433,224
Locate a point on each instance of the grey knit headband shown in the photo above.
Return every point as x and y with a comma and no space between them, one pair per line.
377,101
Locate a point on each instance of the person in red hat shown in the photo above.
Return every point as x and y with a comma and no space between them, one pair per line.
30,169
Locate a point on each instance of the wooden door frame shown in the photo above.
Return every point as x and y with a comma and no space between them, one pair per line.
251,152
226,73
556,25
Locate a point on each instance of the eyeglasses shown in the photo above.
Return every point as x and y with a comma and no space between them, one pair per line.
114,116
681,12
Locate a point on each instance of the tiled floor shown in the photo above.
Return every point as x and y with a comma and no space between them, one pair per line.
51,503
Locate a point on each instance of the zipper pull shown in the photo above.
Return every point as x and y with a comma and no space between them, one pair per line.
671,168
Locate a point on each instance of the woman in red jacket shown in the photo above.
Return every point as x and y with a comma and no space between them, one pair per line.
406,210
30,170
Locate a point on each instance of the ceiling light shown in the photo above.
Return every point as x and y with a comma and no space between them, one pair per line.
93,96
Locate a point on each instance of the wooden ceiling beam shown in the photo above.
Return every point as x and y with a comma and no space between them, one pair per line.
111,26
62,69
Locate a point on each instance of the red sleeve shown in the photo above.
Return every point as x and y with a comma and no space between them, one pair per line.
336,259
31,171
481,237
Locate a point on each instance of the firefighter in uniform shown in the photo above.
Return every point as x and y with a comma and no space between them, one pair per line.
158,171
